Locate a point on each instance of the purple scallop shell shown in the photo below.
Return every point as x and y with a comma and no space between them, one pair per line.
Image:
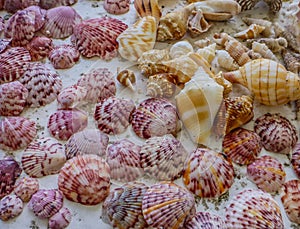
10,207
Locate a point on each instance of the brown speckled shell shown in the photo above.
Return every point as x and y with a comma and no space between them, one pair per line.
295,160
10,207
61,219
205,220
39,47
63,56
116,6
25,187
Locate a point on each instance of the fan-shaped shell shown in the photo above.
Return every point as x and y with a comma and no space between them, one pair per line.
154,117
25,187
48,4
39,47
61,219
13,6
205,220
40,15
124,160
63,56
85,179
295,160
71,96
180,48
116,6
10,207
161,85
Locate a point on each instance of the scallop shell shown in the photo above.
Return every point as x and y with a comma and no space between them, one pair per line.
61,219
88,141
99,84
180,48
4,43
253,209
167,205
16,132
13,97
267,173
12,6
63,56
85,179
40,15
62,124
264,51
39,47
253,31
48,4
290,195
208,52
127,78
25,187
277,133
97,37
205,220
123,206
116,6
43,84
43,157
60,21
290,61
154,117
226,61
295,160
45,203
10,207
71,97
197,24
161,85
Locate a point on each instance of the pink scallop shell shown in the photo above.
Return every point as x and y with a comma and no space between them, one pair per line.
40,15
2,22
4,43
295,160
61,219
39,47
71,97
25,187
63,56
12,6
205,220
10,207
48,4
116,6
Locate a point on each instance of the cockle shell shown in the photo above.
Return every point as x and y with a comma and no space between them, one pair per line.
253,209
267,32
291,62
277,133
163,157
123,206
161,85
48,4
85,179
63,56
208,173
46,202
43,157
113,115
116,6
39,47
12,6
208,52
10,207
253,31
154,117
180,48
62,124
88,141
61,219
290,195
127,78
13,97
124,160
197,24
226,61
268,80
295,160
205,220
25,187
264,51
71,97
16,132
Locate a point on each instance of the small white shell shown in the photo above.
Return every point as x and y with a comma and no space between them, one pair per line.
180,48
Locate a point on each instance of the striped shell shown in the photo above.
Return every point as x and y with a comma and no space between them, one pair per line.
291,62
61,219
237,52
43,157
71,97
88,141
205,220
39,47
274,6
295,160
62,124
39,16
154,117
208,52
48,4
167,205
63,56
253,209
161,85
123,206
124,160
25,187
113,115
180,48
10,207
267,173
85,179
116,6
253,31
207,173
263,50
277,133
127,78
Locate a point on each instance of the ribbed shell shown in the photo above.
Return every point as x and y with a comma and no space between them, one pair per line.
25,187
205,220
13,6
10,207
208,52
295,160
208,173
85,179
71,96
40,14
161,85
48,4
39,47
63,56
116,6
127,78
253,31
61,219
4,43
180,48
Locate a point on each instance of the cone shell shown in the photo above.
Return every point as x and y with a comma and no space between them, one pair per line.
295,160
116,6
63,56
43,157
277,133
85,179
10,207
124,160
180,48
88,141
61,219
154,117
253,209
47,4
39,47
167,205
25,187
205,220
71,97
253,31
161,85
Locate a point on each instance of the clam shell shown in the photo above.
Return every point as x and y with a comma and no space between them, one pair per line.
205,220
85,179
61,219
295,160
124,160
71,97
161,85
39,47
154,117
48,4
116,6
13,6
180,48
10,207
63,56
25,187
208,173
43,157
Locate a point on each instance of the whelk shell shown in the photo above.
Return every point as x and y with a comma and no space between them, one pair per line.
180,48
205,220
295,160
253,31
61,219
280,31
201,43
63,56
274,44
226,61
267,32
39,47
116,6
264,51
208,52
71,97
25,187
154,56
10,207
291,62
274,5
161,85
237,52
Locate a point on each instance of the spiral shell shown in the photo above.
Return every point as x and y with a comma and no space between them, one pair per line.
180,48
292,42
39,47
237,52
197,24
274,44
10,207
63,56
25,187
253,31
290,61
205,220
267,32
274,6
295,160
116,6
71,97
226,61
201,43
154,56
208,52
161,85
127,78
263,50
61,219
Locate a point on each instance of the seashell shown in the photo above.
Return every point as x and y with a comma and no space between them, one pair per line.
124,160
10,170
85,179
113,115
224,83
267,32
116,6
277,133
148,8
99,84
127,78
39,47
290,195
290,61
12,6
237,52
16,132
154,117
207,173
25,187
267,173
252,208
222,38
253,31
295,160
226,61
43,157
254,55
242,146
154,56
180,48
2,22
4,43
61,219
205,220
62,124
43,84
48,4
40,15
71,96
13,97
280,31
10,207
63,56
201,43
167,197
274,44
88,141
208,52
161,85
123,206
97,37
197,24
13,64
264,51
272,83
45,203
274,6
60,21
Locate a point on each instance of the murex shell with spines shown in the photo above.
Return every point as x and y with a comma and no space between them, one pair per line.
10,207
61,219
25,187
